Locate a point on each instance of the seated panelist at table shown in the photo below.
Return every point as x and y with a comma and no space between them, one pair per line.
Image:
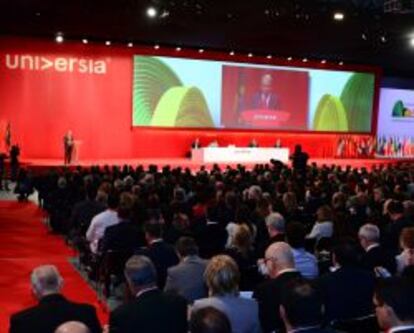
278,143
213,144
253,144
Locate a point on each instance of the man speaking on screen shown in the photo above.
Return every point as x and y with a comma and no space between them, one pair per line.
265,99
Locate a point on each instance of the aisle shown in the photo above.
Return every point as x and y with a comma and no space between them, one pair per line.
24,244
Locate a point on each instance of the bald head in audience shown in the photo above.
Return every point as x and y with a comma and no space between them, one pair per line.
279,257
46,280
72,327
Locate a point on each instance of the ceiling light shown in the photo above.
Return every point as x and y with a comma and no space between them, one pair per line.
269,56
383,39
59,38
151,12
339,16
305,60
323,61
178,49
412,41
341,63
108,42
250,55
84,41
200,51
156,47
130,45
289,58
232,53
364,36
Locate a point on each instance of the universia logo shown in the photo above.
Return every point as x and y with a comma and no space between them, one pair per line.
59,64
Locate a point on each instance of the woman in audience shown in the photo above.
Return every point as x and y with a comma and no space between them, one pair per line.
241,251
323,227
406,258
222,277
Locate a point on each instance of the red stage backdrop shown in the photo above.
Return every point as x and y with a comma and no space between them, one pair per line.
48,88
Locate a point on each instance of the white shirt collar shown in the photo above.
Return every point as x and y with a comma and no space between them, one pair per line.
143,291
287,270
371,247
400,328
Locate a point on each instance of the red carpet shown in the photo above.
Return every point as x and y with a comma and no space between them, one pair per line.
24,244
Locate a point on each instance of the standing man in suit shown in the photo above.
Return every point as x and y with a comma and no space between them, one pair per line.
281,270
68,144
265,99
151,310
187,278
374,255
53,308
394,308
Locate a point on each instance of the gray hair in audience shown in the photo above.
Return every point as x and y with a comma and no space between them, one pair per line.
370,232
73,327
46,279
140,271
276,221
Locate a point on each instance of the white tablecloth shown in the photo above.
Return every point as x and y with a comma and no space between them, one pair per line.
239,155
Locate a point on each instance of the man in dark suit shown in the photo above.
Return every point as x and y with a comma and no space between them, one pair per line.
187,278
281,270
347,292
394,308
374,255
265,99
151,310
301,308
398,222
162,255
211,236
53,308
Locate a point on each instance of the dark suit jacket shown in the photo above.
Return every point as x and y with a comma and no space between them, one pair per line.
269,295
52,311
163,257
187,279
377,256
393,232
347,293
211,239
273,103
123,237
151,312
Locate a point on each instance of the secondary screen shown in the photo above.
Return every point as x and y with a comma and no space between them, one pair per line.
177,92
396,123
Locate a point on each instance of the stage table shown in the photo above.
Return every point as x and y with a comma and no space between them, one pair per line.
239,155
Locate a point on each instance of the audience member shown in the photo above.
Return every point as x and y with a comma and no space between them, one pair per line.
305,262
323,228
394,308
222,278
73,327
187,278
151,310
281,270
209,320
53,308
406,257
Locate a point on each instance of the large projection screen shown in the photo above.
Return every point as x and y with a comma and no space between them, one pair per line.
188,93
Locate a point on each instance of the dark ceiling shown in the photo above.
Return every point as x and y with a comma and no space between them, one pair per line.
298,28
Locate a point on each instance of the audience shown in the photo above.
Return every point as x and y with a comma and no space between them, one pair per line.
222,278
53,308
150,310
346,229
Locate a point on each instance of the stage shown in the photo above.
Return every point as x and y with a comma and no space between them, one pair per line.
37,165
